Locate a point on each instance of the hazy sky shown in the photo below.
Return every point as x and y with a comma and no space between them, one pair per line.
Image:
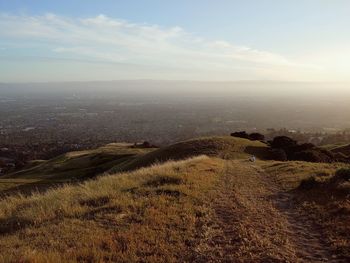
299,40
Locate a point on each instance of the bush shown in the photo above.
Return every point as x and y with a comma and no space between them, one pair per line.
241,134
341,176
278,155
256,136
253,136
163,180
283,142
145,144
308,183
303,147
313,155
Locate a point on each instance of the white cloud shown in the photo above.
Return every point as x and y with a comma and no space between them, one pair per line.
106,39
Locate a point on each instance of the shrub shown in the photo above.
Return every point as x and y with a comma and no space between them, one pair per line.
302,147
145,144
308,183
256,136
342,175
278,155
163,180
283,142
313,155
241,134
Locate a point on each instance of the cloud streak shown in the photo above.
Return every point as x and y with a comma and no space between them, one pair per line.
108,40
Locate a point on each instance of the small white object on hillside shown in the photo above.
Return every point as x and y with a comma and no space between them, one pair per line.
252,159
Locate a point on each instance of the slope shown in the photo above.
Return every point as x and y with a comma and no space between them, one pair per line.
197,210
259,216
344,149
72,166
149,215
225,147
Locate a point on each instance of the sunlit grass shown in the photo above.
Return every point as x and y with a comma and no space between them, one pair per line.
151,214
290,174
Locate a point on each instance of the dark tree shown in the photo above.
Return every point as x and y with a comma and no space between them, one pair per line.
283,142
256,136
241,134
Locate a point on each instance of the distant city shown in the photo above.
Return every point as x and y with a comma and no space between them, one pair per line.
41,122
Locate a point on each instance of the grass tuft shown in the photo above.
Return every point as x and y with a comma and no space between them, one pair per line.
107,219
161,180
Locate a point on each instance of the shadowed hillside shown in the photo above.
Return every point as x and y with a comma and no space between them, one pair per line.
344,149
71,166
225,147
118,157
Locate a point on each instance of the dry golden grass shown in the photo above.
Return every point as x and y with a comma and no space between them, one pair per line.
245,225
80,164
290,174
260,215
331,211
69,167
150,215
120,157
225,147
8,183
325,204
200,209
328,205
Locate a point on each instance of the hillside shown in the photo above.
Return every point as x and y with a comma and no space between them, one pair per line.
71,166
209,203
225,147
119,157
149,214
344,149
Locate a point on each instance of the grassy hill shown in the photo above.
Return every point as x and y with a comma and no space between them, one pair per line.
118,157
344,149
150,214
174,212
75,165
199,200
225,147
71,166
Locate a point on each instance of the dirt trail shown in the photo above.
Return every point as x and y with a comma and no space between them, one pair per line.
254,221
305,235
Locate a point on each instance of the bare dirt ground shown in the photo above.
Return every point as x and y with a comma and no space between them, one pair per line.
255,220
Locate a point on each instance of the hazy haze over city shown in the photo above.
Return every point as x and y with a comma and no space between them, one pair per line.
90,73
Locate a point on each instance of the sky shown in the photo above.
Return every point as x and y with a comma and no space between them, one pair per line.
228,40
